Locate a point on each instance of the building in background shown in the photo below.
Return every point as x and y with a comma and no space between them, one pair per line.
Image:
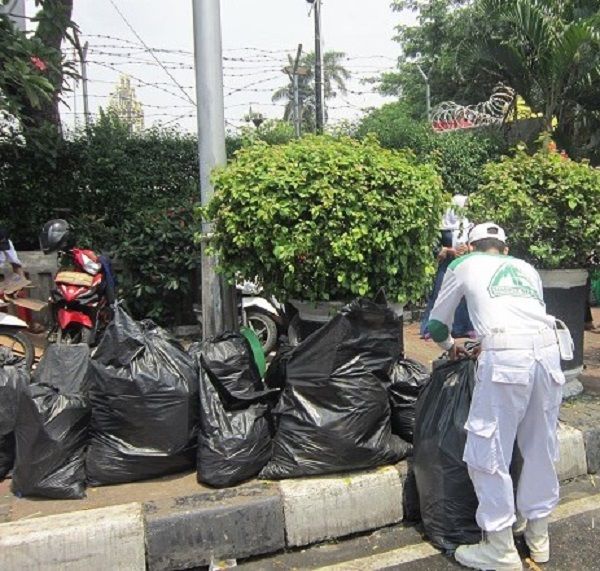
123,103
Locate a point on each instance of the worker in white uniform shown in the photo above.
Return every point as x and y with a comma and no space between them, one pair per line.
517,395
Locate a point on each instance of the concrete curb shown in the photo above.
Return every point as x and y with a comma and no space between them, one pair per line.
89,540
254,519
317,509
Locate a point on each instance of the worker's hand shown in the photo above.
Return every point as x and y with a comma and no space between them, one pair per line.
442,254
458,352
462,250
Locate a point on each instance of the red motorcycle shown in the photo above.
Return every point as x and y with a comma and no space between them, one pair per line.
82,295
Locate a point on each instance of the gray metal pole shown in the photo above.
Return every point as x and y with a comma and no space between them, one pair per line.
296,105
428,100
318,69
84,84
295,86
219,310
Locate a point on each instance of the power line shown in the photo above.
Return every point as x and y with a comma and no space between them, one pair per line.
152,53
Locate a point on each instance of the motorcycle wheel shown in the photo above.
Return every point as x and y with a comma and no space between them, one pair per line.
18,343
72,336
265,328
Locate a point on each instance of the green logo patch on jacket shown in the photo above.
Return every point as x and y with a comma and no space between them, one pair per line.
509,280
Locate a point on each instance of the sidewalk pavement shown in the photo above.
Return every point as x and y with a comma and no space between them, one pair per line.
180,524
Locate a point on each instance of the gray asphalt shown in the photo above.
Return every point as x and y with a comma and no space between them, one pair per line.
575,544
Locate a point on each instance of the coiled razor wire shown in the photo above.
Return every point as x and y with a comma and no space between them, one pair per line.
450,116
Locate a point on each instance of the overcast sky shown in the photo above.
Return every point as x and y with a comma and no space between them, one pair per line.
363,29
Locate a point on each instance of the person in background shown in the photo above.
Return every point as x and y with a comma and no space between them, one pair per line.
517,396
590,326
8,254
453,243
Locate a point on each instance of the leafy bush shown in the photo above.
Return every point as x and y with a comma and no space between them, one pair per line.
323,218
395,129
548,204
158,250
459,156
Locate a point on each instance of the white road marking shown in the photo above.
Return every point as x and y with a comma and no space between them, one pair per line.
423,550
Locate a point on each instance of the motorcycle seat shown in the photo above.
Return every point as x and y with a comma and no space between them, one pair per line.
74,278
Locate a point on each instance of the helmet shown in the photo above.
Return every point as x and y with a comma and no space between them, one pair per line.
56,235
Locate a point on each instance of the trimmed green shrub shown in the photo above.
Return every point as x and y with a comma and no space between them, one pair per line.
323,218
549,206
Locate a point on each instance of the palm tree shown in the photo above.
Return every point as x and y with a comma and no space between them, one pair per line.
335,76
547,50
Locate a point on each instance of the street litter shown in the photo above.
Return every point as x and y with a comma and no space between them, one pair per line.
408,378
334,414
447,498
234,441
51,431
144,397
13,377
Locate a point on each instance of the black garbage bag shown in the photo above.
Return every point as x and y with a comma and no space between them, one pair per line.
334,413
228,358
64,366
408,377
447,498
234,442
144,396
14,379
53,426
277,371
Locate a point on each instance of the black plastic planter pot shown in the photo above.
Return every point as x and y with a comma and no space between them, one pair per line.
565,297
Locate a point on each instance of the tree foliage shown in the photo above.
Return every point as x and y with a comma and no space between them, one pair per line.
326,218
335,76
548,204
458,156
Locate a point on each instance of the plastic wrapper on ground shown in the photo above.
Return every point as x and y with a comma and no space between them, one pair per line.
408,377
447,499
14,379
52,426
334,414
144,396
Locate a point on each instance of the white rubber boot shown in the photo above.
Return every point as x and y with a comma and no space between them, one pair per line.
496,553
519,525
537,539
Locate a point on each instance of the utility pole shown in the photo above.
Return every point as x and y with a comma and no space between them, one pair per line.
82,54
293,72
84,84
318,67
219,309
427,90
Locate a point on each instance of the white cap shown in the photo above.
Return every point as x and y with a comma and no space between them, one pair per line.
486,230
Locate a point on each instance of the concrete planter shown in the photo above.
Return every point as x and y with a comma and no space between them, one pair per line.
565,297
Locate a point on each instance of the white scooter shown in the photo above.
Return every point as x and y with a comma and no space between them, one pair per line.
264,316
12,335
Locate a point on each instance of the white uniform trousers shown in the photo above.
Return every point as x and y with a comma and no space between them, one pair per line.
517,397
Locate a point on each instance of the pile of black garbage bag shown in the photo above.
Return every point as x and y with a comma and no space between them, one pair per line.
140,406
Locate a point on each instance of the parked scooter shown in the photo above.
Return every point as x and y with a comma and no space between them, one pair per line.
82,294
264,316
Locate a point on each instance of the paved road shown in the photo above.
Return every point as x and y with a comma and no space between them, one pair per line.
575,534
